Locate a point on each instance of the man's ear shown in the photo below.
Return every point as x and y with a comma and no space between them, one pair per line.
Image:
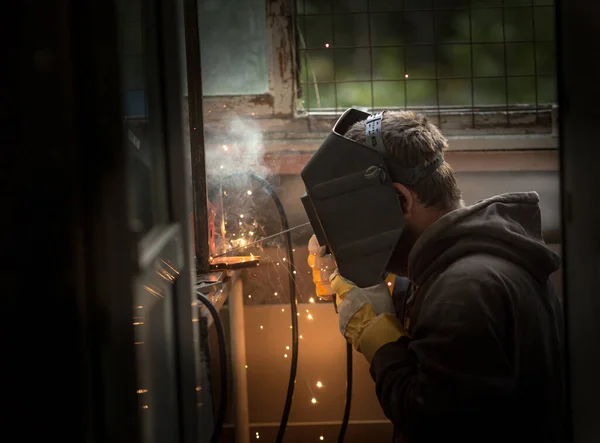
407,197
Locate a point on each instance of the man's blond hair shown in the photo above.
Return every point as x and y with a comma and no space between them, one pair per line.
413,141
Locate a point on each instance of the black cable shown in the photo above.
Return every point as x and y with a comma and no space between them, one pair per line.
348,405
220,417
349,378
294,309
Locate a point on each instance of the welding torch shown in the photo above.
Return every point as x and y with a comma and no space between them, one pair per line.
245,246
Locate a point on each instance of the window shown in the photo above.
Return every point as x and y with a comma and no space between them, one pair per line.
142,116
158,215
233,38
437,56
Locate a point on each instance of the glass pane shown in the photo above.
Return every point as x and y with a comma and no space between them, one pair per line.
421,93
483,3
354,94
319,65
304,69
418,27
143,119
153,304
452,26
130,11
386,5
352,64
454,61
442,4
488,60
544,23
133,72
517,2
545,57
351,5
546,90
319,96
132,38
315,6
489,91
487,25
420,62
455,93
388,63
385,29
233,33
521,91
418,4
474,43
518,24
316,31
135,103
351,30
389,94
520,59
154,347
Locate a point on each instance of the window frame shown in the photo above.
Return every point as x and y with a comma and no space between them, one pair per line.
279,101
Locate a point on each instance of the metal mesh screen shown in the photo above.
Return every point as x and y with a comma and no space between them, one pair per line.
435,56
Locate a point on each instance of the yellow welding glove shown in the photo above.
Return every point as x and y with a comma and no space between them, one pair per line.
322,266
390,280
366,315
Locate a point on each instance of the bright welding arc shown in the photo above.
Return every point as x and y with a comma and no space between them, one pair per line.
261,240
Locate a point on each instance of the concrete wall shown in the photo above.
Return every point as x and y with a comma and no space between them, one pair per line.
474,185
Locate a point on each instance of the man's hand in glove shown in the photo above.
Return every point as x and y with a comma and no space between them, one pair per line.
366,316
322,265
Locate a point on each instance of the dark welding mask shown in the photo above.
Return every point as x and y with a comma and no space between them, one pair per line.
351,204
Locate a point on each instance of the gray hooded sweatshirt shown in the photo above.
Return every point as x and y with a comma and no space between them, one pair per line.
483,361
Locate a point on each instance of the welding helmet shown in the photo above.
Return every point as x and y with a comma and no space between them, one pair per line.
351,204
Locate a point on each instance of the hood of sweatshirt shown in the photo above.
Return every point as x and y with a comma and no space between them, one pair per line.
508,226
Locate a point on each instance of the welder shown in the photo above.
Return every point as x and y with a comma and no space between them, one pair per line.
468,347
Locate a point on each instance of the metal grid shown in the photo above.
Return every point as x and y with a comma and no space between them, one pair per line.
435,56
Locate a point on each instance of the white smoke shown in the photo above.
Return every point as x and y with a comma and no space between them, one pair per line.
238,149
235,173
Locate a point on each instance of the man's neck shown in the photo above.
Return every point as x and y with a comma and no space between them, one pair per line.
430,216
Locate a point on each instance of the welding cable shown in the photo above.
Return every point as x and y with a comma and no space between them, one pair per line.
348,404
220,417
293,308
349,378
